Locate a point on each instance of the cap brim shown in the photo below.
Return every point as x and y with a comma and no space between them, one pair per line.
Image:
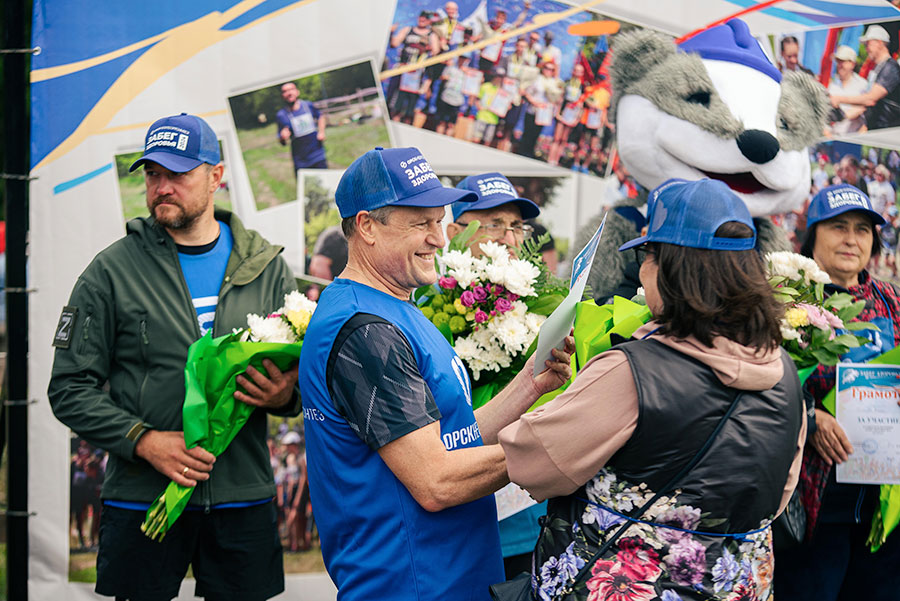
436,197
172,162
527,207
633,243
876,218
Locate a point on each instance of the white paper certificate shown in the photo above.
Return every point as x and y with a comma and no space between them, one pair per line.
557,326
867,410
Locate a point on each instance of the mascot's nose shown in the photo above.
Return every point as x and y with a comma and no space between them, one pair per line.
758,146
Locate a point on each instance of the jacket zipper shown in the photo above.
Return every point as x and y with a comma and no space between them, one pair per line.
859,501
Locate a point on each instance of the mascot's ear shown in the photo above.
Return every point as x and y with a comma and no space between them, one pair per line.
802,111
634,55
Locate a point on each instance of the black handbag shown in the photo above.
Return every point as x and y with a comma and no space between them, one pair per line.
789,528
519,588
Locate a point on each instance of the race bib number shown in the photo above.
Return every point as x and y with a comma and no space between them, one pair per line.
302,124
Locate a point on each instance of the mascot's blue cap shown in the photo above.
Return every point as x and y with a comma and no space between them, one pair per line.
731,42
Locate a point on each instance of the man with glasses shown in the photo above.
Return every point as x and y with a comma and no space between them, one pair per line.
499,210
401,469
501,214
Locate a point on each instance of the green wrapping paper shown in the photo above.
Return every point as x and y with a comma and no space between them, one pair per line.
594,327
887,514
212,417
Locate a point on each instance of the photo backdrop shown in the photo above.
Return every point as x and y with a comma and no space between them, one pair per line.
107,70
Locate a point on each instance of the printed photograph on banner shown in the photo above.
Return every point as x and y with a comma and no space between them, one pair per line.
543,93
87,467
318,121
323,241
296,517
556,198
874,170
132,192
856,64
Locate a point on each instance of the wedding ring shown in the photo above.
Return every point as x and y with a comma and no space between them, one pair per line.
185,471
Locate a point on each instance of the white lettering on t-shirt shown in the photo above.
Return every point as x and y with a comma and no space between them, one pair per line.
462,437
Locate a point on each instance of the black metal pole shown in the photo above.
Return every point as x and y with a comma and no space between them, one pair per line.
15,136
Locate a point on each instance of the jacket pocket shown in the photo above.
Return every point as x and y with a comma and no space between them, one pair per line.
143,343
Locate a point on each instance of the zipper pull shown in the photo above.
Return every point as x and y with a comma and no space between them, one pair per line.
144,337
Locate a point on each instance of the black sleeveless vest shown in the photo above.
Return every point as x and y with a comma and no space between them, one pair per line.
735,489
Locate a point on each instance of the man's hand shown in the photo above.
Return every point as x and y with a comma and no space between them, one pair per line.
272,392
320,136
559,369
285,134
165,451
829,439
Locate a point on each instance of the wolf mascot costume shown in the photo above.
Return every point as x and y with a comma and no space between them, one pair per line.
714,107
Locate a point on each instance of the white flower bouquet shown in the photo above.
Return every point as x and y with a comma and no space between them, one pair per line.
211,415
814,329
491,308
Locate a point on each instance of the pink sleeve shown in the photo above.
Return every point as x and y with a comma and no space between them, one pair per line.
563,444
794,472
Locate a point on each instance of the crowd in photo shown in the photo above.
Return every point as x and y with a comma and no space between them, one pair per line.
873,170
516,95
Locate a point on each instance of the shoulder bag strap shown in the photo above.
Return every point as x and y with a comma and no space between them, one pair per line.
637,513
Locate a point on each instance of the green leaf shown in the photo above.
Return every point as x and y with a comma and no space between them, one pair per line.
445,330
424,291
820,291
545,304
825,357
855,326
460,241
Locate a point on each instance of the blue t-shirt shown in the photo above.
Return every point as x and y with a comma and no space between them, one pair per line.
204,272
306,148
377,541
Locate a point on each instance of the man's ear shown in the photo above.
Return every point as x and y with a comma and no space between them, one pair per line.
454,228
365,227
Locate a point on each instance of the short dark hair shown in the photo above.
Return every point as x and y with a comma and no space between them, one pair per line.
707,293
381,214
809,242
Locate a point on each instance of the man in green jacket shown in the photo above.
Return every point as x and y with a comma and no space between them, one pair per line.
118,380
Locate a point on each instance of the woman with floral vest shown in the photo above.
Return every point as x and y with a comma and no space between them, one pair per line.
703,407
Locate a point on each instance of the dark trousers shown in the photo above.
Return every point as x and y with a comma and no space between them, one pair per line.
836,565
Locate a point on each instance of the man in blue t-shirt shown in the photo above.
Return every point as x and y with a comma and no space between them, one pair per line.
400,465
301,124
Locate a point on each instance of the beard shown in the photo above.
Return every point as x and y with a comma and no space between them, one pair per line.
182,219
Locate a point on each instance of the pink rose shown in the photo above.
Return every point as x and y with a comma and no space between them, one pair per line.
480,316
497,289
480,293
447,283
815,315
467,298
502,305
512,297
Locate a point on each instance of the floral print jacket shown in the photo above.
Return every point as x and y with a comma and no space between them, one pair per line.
663,556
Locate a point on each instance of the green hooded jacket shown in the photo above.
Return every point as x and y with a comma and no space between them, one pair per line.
120,367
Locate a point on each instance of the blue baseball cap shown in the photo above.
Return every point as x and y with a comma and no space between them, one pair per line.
833,200
180,143
397,177
687,213
492,190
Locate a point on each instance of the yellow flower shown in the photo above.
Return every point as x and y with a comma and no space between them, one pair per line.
460,308
796,317
300,320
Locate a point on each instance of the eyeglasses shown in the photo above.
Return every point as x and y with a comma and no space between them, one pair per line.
497,231
642,252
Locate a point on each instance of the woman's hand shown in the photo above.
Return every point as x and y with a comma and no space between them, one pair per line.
829,440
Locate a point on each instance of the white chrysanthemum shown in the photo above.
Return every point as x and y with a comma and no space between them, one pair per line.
521,277
519,309
466,348
296,301
498,253
512,332
534,322
782,264
270,329
789,333
456,259
464,276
